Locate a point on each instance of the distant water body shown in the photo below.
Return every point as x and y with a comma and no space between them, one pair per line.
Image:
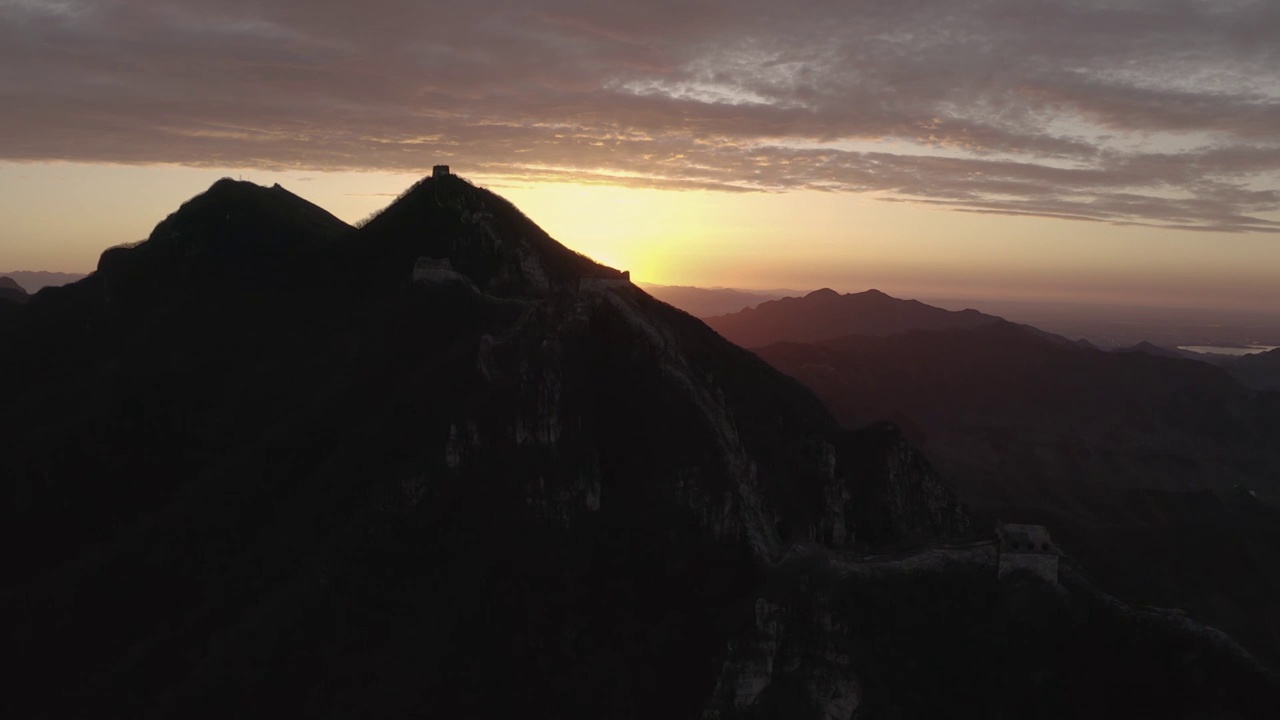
1219,350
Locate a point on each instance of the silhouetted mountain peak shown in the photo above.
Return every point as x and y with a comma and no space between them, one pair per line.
826,314
242,215
483,236
1151,349
246,202
235,231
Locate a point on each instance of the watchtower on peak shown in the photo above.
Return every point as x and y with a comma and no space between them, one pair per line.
439,171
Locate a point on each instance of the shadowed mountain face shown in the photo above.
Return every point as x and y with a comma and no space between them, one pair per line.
1131,457
265,464
1136,420
824,314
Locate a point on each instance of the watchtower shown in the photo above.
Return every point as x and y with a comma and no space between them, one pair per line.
1027,547
440,171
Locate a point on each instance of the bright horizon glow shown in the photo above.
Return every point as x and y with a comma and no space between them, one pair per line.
61,216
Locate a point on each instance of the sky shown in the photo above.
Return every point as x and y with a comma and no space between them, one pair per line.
1122,151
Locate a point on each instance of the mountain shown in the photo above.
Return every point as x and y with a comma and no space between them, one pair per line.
35,281
266,464
12,296
956,384
1127,455
11,291
706,302
397,466
1260,371
1151,349
824,314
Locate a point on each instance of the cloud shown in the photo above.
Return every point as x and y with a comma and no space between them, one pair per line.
1126,111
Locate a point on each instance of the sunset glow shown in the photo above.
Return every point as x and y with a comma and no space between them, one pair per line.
1109,152
795,240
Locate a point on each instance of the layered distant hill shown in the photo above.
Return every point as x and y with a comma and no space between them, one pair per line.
1137,420
34,281
265,464
11,291
1152,349
824,314
1105,447
1259,370
706,302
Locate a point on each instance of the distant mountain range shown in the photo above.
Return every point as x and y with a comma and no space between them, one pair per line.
1099,445
825,313
1259,370
34,281
1152,349
705,302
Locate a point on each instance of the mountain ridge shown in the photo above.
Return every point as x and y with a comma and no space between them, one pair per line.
1127,455
825,313
707,302
11,291
283,430
264,463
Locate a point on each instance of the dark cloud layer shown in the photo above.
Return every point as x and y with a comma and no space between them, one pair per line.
1154,112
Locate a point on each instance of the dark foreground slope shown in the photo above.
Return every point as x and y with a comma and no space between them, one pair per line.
265,464
932,635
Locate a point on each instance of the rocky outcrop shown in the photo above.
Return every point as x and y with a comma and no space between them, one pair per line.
789,659
899,499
